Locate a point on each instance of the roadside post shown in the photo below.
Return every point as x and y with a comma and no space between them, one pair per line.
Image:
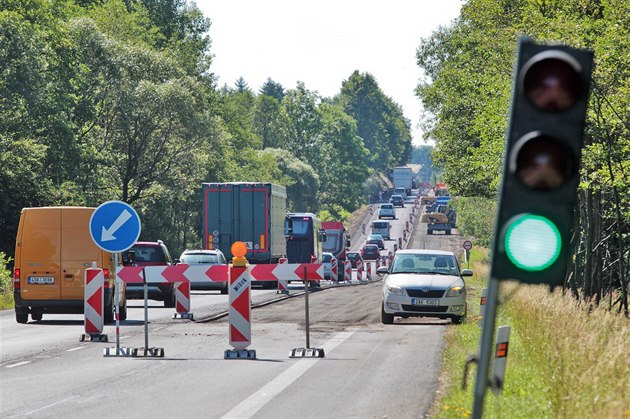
93,305
482,303
467,245
500,359
239,314
115,227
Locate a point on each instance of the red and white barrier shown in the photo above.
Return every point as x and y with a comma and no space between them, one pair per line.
94,297
240,308
347,271
390,258
360,271
333,270
368,271
400,242
182,301
283,285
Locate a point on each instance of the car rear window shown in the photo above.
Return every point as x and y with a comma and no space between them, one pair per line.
149,254
199,258
387,206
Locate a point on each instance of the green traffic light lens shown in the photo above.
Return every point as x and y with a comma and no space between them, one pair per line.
532,242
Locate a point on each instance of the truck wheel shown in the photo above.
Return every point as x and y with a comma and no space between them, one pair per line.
429,232
37,315
448,232
224,290
21,314
109,315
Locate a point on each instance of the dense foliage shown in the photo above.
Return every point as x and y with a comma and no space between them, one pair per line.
115,99
467,93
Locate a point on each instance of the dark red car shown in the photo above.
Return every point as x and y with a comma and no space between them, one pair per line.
370,252
354,258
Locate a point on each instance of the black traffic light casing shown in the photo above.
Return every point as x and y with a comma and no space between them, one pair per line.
543,152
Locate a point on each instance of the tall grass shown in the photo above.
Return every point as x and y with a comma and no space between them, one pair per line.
565,361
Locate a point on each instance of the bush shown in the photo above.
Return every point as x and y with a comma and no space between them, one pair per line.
5,275
475,218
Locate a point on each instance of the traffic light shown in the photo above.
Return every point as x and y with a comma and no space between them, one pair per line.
541,168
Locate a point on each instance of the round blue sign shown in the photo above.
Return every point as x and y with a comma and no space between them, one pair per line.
115,226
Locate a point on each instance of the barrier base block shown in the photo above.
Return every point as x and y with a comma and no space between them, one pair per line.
93,337
184,316
239,354
307,353
120,351
150,352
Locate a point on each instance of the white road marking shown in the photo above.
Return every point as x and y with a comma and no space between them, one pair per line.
17,364
248,407
78,348
50,405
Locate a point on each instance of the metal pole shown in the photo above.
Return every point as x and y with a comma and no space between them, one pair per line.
485,349
116,282
308,337
146,311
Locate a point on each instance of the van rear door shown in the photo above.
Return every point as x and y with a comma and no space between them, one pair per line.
78,251
38,244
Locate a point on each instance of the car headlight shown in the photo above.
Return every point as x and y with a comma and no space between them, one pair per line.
455,292
395,289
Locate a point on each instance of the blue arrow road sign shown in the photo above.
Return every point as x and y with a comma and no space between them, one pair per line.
115,226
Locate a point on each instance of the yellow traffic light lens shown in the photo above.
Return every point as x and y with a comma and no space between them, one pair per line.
532,242
552,82
542,163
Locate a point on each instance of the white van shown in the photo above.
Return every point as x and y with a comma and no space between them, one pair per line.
382,227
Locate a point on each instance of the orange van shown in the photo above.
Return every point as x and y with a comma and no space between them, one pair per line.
52,250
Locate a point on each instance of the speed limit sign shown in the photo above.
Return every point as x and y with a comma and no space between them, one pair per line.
467,245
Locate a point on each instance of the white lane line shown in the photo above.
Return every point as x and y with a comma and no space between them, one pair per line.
50,405
78,348
17,364
248,407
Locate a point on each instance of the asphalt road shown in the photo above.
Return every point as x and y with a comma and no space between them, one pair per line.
369,369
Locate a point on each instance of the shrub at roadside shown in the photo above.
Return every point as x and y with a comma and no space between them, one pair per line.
6,287
564,361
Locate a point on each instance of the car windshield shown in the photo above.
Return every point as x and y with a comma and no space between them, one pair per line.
147,254
439,264
199,258
352,255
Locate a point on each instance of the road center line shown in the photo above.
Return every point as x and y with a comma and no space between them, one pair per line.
17,364
78,348
248,407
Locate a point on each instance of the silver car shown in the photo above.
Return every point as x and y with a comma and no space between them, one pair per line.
205,257
424,283
387,211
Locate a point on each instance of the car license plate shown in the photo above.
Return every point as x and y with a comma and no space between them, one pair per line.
424,302
41,279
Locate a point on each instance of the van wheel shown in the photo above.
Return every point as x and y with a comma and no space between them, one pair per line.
448,232
21,314
169,299
123,311
224,290
37,315
108,315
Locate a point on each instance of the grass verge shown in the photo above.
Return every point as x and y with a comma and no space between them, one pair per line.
563,362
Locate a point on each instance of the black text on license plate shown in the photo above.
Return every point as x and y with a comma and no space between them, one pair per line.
424,302
41,279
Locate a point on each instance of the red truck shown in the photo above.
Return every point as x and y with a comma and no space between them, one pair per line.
337,242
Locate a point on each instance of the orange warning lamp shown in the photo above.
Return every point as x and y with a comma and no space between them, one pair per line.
239,250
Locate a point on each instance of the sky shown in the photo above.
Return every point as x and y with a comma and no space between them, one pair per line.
322,42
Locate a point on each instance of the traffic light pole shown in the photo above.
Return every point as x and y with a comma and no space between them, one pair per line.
485,349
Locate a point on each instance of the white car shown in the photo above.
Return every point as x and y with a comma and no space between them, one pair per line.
387,211
424,283
205,257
